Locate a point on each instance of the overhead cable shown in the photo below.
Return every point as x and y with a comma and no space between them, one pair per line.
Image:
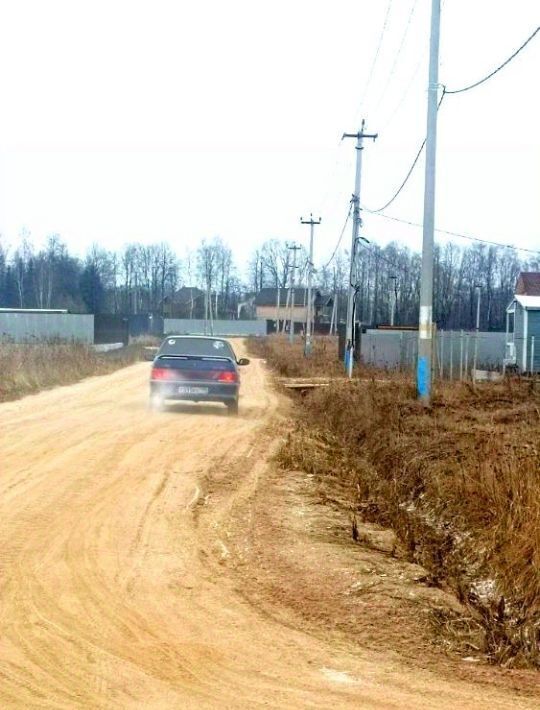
498,69
453,91
370,246
405,92
340,237
455,234
377,52
410,171
398,54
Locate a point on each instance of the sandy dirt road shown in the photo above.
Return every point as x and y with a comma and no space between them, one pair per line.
116,582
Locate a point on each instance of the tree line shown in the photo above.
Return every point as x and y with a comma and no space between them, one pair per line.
392,274
148,278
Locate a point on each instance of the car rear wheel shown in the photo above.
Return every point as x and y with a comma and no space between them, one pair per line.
232,407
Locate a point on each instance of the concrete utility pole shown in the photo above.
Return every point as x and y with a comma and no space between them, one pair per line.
393,298
309,312
278,303
210,311
287,296
294,249
357,223
425,329
333,319
477,332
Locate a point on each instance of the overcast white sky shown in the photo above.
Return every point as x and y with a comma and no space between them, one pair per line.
128,120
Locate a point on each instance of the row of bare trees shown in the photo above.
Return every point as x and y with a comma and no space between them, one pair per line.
140,278
392,274
146,278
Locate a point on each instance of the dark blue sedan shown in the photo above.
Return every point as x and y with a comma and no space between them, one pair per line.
197,369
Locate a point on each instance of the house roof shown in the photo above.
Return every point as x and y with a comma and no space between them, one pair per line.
268,296
528,302
528,283
184,295
188,290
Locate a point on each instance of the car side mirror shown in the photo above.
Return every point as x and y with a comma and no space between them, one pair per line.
243,361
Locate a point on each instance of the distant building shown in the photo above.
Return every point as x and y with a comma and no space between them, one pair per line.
523,324
274,303
187,302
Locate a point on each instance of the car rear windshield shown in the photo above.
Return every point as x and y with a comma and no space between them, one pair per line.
201,347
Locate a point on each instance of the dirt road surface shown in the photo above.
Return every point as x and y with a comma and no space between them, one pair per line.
120,586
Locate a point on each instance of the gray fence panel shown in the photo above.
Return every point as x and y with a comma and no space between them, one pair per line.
22,327
491,348
185,326
389,349
393,349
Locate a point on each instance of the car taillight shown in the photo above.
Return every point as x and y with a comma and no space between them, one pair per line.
161,373
227,377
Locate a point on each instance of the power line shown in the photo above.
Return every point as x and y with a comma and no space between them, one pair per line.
444,92
405,91
498,69
410,171
377,52
407,86
370,247
398,54
454,234
331,259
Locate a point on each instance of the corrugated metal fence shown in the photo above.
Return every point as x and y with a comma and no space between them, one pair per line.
22,327
181,326
453,350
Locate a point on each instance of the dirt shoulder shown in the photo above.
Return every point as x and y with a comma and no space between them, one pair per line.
299,565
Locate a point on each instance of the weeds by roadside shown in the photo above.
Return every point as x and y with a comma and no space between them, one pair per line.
288,360
28,368
458,482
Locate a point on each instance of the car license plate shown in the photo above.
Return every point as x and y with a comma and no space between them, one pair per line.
193,390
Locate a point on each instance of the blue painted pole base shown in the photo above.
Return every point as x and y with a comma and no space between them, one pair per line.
347,358
423,378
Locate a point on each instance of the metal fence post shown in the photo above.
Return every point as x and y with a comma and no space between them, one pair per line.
451,354
461,355
441,360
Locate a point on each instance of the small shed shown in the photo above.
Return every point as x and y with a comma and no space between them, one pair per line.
523,324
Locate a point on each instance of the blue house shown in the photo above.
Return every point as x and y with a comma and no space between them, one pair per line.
523,324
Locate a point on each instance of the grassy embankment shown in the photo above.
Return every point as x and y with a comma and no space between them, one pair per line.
29,368
459,482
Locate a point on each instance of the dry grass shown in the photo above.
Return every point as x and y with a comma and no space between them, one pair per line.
458,482
32,367
289,361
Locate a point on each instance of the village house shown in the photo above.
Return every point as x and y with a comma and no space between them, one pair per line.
273,304
523,324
